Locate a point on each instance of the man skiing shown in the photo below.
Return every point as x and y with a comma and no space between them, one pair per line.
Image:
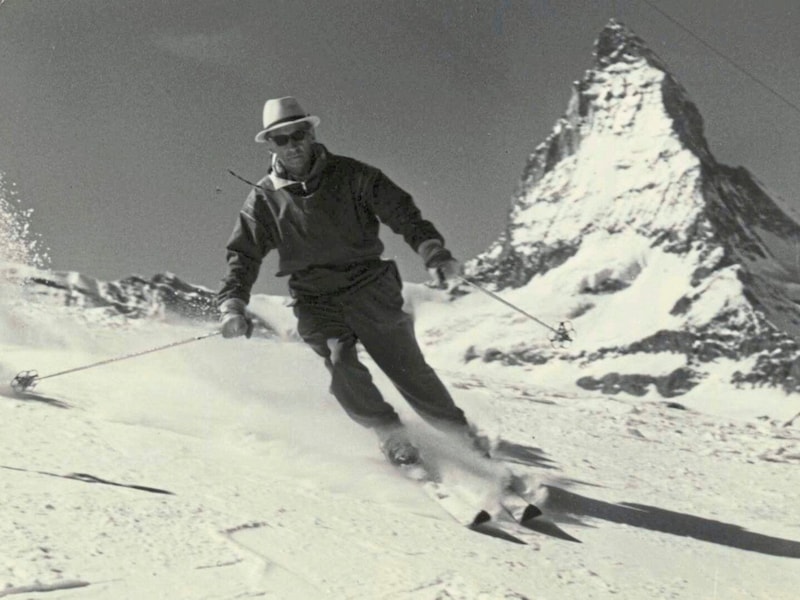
321,212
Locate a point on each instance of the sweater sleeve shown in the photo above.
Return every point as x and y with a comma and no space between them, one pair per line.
249,243
396,208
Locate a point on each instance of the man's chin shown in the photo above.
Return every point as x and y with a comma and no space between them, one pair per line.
297,160
297,165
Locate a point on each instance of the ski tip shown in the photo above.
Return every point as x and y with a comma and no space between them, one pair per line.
531,512
481,518
482,523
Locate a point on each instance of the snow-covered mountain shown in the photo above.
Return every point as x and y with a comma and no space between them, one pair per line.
658,255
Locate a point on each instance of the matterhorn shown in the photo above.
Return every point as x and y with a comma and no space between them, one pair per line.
671,267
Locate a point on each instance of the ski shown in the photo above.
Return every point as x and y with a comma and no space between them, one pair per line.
511,511
480,522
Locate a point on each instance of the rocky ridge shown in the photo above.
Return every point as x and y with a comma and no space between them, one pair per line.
164,296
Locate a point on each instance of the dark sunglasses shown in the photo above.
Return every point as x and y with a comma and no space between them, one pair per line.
297,136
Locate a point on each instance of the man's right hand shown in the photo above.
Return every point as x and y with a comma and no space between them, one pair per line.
234,321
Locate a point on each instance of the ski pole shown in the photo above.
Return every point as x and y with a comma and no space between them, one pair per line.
26,380
561,335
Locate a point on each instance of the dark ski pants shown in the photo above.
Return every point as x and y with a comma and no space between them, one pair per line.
373,315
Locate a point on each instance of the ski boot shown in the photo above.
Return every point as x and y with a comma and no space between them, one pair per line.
398,449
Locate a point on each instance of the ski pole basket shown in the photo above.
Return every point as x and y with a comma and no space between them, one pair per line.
24,381
563,336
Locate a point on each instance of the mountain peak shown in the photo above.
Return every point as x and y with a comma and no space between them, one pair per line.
625,211
618,42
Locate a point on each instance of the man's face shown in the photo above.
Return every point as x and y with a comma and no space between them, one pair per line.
292,145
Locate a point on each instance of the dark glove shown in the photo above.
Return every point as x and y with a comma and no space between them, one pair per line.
439,261
234,321
448,272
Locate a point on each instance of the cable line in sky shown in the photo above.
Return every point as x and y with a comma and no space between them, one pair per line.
725,57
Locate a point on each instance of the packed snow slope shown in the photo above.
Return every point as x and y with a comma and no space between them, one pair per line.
224,469
675,271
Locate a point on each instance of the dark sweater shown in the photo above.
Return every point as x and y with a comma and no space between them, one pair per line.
325,231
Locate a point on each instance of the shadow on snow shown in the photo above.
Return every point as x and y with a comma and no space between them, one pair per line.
524,455
667,521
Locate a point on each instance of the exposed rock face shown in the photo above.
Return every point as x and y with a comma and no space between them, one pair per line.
133,297
626,208
164,297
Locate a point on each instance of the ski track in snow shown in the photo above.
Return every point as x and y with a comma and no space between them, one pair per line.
275,494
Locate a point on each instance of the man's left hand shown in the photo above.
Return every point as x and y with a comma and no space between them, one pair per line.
440,262
448,272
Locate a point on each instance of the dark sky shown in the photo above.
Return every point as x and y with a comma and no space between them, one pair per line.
119,120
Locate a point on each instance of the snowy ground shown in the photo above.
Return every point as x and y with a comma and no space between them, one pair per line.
273,493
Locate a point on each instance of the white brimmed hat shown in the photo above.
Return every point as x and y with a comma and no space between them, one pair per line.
280,112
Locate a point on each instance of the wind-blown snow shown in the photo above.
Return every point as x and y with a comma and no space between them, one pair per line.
18,245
